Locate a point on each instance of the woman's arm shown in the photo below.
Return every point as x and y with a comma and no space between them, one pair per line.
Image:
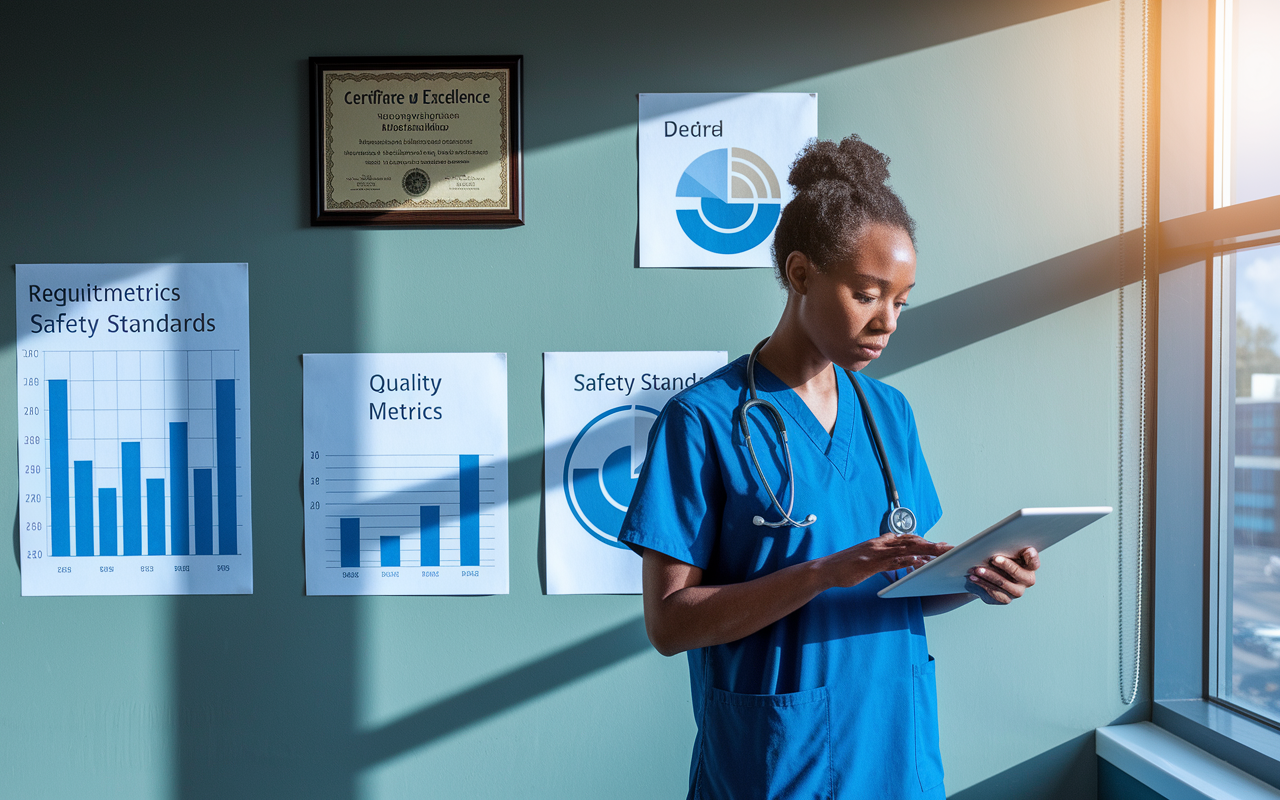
681,614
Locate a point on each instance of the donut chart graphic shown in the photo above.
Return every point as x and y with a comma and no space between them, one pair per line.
602,466
739,200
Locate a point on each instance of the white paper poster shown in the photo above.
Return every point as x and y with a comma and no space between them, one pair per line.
600,408
713,174
133,429
405,473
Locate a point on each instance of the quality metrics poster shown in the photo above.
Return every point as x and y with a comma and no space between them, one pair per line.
713,174
600,408
405,473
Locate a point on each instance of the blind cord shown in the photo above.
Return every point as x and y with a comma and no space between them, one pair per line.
1128,695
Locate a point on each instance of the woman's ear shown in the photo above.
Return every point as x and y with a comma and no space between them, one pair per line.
799,271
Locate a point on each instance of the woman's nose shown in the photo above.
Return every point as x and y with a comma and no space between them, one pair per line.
887,318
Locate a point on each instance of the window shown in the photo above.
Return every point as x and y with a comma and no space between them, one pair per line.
1247,101
1245,673
1249,478
1216,569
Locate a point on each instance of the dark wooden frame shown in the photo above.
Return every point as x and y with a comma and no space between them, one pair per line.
512,215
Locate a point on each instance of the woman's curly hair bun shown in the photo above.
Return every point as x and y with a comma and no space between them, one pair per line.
839,188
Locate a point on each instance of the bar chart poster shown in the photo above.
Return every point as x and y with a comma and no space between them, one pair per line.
599,409
405,473
133,429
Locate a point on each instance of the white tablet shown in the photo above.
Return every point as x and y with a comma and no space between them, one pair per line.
1027,527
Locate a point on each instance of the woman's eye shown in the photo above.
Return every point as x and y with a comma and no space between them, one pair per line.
865,299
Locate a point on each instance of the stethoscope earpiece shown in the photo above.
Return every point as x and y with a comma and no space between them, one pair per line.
901,519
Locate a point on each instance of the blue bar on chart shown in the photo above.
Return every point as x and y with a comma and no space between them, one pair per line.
84,508
429,530
155,516
350,532
204,511
107,522
469,509
390,547
131,496
225,401
59,467
180,544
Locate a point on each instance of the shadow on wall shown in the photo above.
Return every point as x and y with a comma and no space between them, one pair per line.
269,715
1065,772
506,691
265,683
591,71
1004,303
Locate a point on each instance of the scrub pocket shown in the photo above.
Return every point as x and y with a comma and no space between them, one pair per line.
766,746
924,688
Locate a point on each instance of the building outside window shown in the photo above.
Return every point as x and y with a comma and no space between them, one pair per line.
1254,671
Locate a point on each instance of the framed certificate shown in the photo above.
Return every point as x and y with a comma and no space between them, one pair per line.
416,141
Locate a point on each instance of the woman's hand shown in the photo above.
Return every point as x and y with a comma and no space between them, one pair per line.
884,553
1004,579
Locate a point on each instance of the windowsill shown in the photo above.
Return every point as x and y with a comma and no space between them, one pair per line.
1175,769
1234,738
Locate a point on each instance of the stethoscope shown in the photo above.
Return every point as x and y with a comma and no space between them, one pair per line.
901,520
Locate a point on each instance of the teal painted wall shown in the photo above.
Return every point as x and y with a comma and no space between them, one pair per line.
155,132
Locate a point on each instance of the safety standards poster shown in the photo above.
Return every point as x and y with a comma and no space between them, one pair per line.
600,408
713,174
133,429
405,473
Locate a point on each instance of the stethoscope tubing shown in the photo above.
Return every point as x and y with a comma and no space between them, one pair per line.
901,519
890,487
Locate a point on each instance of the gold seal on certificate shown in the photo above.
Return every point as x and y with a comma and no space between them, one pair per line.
416,141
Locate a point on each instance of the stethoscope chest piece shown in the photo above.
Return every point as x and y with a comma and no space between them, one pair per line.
902,520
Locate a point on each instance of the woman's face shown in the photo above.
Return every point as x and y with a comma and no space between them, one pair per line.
849,311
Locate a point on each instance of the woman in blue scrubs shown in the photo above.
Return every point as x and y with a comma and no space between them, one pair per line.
805,683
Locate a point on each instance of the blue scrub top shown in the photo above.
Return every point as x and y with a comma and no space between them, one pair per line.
837,699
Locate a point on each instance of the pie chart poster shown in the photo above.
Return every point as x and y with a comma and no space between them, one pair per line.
600,408
713,174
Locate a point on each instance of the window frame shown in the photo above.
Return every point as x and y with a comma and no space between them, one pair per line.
1193,318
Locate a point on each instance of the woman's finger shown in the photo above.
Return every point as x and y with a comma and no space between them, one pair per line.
999,581
924,547
1030,558
1013,571
988,592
